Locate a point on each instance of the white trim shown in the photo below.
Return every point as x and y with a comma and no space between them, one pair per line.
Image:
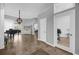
64,48
48,43
64,10
74,34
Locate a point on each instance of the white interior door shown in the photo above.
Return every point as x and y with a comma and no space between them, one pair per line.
65,21
43,29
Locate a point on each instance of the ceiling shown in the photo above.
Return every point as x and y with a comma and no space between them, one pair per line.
28,10
58,7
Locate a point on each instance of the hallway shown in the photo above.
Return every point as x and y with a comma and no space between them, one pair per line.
27,45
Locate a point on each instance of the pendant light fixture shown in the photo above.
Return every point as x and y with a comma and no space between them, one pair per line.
19,20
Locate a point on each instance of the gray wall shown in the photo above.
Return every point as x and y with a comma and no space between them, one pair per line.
50,23
50,29
77,30
29,22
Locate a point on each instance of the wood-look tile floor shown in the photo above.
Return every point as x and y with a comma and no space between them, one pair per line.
28,45
64,41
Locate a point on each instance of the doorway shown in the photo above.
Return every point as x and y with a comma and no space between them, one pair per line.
43,29
64,30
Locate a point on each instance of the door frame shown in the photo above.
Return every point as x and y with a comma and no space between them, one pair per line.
55,33
40,30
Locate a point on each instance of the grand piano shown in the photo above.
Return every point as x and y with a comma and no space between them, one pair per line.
11,33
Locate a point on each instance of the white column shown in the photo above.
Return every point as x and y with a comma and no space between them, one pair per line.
1,26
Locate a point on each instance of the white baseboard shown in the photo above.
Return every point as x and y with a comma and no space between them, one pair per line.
48,43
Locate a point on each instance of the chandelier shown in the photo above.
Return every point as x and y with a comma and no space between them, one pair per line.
19,20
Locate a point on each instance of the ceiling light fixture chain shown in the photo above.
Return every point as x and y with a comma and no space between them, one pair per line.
19,20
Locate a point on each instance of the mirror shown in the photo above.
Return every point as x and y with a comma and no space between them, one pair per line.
63,30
